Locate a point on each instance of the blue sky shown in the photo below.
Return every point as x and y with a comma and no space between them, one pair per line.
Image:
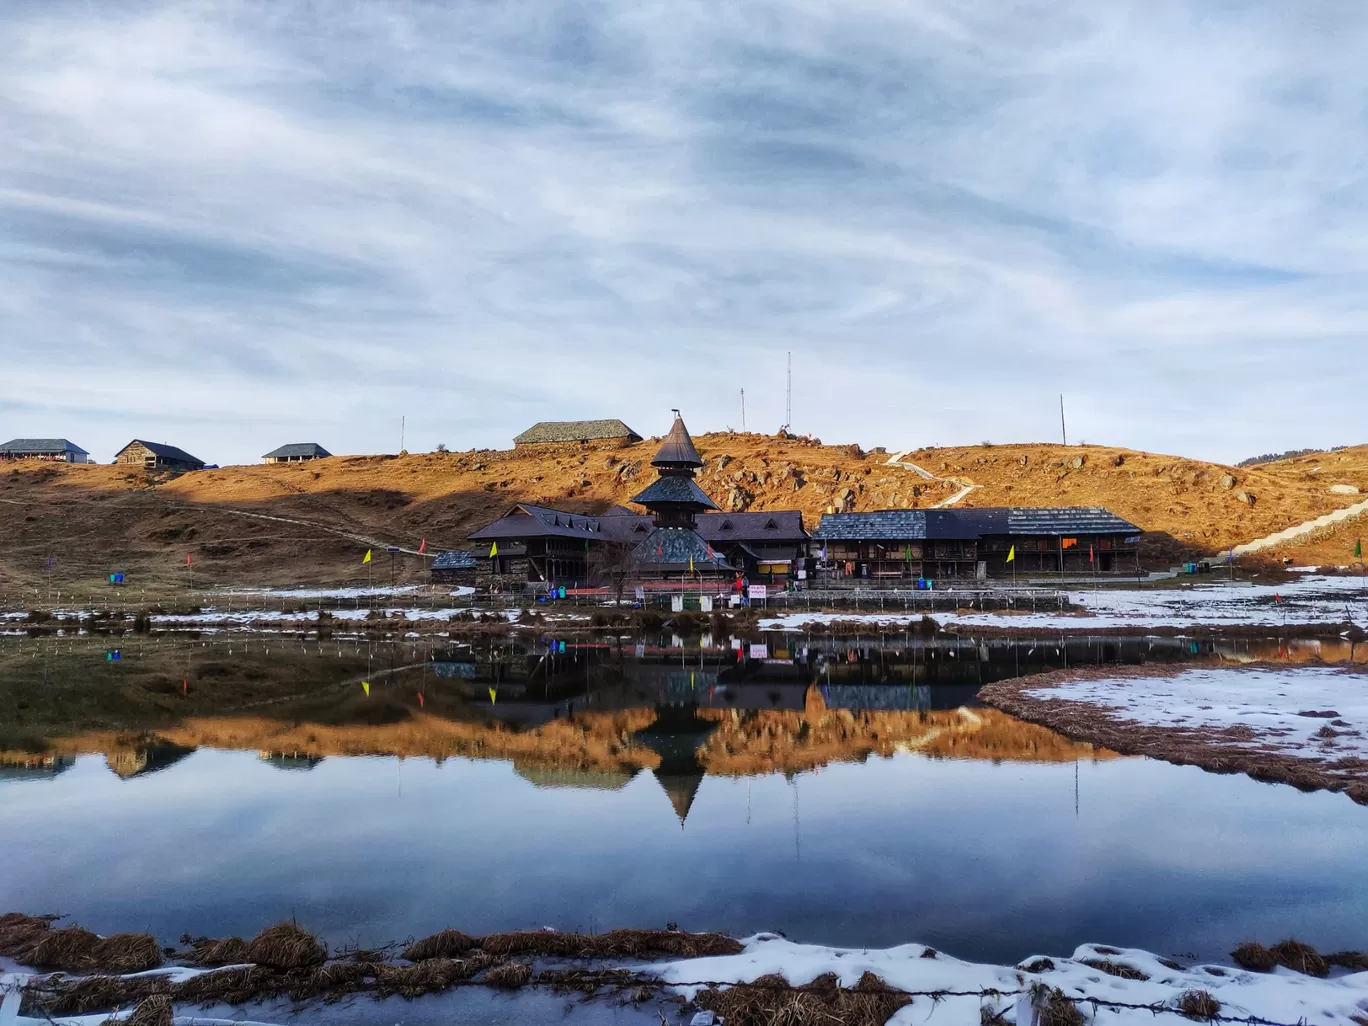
233,225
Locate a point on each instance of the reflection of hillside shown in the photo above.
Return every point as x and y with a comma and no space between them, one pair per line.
767,741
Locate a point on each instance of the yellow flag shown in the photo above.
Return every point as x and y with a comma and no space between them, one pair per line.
493,550
493,696
691,569
1011,555
365,686
367,559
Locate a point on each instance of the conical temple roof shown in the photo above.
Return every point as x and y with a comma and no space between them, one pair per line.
681,789
678,450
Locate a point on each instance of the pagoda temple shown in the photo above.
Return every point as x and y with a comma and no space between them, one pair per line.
675,501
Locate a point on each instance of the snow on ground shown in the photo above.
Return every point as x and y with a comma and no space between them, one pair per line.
1281,996
1311,600
1266,701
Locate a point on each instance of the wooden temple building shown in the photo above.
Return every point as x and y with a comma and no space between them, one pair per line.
941,544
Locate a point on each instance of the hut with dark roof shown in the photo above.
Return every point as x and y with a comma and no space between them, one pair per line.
57,450
577,432
156,456
297,452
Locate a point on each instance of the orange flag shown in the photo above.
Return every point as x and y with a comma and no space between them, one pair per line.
422,547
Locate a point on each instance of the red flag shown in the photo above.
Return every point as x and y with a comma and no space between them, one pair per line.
1090,554
187,559
420,698
422,547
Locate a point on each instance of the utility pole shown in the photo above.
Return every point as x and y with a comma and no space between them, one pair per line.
1062,430
743,410
403,426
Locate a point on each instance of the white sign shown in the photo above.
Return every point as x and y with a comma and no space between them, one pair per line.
802,575
759,591
705,603
759,651
676,603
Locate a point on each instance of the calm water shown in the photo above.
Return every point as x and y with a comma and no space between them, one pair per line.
816,789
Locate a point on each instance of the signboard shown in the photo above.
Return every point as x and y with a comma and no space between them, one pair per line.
759,651
705,603
676,603
802,575
759,591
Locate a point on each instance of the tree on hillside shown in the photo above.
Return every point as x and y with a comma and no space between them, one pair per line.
613,564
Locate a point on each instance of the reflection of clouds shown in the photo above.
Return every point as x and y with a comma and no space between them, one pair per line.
282,206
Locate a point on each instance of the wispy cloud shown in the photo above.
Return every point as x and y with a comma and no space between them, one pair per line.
237,224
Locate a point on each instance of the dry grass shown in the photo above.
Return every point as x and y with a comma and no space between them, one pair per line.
1254,957
213,953
513,976
286,946
772,1001
1200,1005
615,944
1354,961
75,949
1299,957
20,932
1058,1010
151,1011
1111,968
1039,965
98,993
440,945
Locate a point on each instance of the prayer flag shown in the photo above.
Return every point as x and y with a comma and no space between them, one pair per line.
422,546
1011,555
493,695
367,559
187,559
493,550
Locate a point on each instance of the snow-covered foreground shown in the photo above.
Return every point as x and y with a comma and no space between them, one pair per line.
1311,600
342,593
1270,703
1281,996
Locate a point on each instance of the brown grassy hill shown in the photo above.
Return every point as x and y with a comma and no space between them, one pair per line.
311,522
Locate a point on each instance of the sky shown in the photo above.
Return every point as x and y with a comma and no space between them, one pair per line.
228,226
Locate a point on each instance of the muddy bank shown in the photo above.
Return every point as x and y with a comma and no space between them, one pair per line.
1259,752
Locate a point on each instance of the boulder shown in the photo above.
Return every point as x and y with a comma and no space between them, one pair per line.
1077,462
1343,489
1245,497
1227,482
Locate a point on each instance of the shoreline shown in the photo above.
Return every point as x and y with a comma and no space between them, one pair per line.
1214,749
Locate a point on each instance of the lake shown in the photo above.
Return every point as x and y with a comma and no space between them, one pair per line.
841,791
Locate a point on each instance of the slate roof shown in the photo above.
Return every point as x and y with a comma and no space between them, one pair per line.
968,524
455,560
724,527
43,446
673,546
163,451
576,431
295,450
528,521
674,489
678,449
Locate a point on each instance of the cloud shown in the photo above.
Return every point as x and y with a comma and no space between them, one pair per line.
238,224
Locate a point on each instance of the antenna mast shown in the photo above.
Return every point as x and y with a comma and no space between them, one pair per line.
743,410
1062,430
788,402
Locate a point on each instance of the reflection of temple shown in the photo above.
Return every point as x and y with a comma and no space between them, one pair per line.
676,736
37,767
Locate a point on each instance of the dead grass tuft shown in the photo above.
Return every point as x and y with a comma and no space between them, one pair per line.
151,1011
429,976
102,993
211,953
230,986
1058,1010
513,976
1299,957
19,932
615,944
75,949
128,953
1200,1005
286,946
771,1001
439,945
1354,961
1254,957
1111,968
1039,965
587,981
989,1017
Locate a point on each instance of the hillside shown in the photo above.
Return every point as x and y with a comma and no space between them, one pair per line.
69,526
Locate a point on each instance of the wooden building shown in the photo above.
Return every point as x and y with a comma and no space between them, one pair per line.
577,432
57,450
948,544
156,456
297,452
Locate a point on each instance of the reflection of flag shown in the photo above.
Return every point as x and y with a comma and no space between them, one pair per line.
1091,558
365,686
1358,549
367,559
1012,554
420,699
493,695
691,569
422,546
